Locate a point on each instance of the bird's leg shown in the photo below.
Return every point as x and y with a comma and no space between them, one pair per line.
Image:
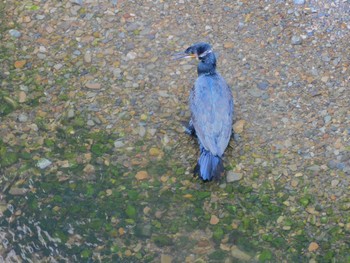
190,129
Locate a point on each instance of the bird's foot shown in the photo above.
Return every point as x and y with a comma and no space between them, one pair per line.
189,129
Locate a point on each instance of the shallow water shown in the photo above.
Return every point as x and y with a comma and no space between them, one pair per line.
94,162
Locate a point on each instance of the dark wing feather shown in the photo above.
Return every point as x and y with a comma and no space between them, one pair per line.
211,106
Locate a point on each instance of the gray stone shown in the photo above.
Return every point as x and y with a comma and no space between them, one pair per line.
43,163
22,117
71,113
233,177
118,144
15,33
263,85
299,2
296,40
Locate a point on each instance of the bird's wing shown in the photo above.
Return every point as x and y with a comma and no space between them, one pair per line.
211,106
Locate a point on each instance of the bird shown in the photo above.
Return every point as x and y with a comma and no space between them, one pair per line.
212,106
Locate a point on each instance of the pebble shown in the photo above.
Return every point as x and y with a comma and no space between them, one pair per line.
41,55
233,177
296,40
238,126
154,152
89,169
93,85
142,175
20,63
327,119
43,163
70,114
87,57
22,117
334,182
263,85
166,258
239,254
214,220
131,55
299,2
58,66
90,123
118,144
15,33
22,97
17,191
142,131
313,247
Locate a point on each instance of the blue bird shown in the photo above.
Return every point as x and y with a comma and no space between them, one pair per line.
211,105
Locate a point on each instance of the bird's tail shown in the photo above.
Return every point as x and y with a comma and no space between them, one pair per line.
209,166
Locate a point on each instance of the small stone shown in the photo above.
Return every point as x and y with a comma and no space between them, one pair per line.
238,126
93,85
327,119
20,63
214,220
143,117
17,191
141,175
15,33
131,55
229,45
313,247
142,131
89,169
296,40
70,114
294,183
299,2
233,177
90,123
87,57
58,66
22,117
263,85
22,97
43,163
166,258
118,144
334,182
41,55
324,79
121,231
239,254
298,175
154,152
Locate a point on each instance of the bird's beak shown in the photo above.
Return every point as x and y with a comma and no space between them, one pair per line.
182,55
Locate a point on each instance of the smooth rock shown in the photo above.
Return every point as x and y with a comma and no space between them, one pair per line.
166,258
118,144
263,85
238,126
89,169
43,163
239,254
232,176
296,40
15,33
141,175
17,191
93,85
22,97
23,117
299,2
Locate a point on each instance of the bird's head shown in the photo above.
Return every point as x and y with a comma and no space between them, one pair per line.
199,50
